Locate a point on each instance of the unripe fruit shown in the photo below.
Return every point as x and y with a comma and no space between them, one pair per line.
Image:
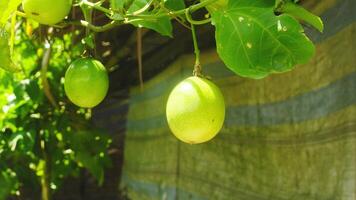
86,82
47,12
195,110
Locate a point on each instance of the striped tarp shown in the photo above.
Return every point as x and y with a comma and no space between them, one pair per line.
289,136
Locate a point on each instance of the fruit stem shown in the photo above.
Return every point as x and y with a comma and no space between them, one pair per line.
88,16
197,66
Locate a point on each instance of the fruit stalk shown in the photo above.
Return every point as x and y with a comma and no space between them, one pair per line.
197,66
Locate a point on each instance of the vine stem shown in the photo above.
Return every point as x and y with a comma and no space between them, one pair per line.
103,28
128,18
142,10
195,22
132,17
44,68
192,8
197,66
46,178
96,6
139,56
21,14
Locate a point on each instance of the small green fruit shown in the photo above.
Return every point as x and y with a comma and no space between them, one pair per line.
195,110
47,12
86,82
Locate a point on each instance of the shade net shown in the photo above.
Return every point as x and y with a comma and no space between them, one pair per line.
288,136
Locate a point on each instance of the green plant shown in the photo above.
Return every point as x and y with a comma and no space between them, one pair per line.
43,137
195,110
38,136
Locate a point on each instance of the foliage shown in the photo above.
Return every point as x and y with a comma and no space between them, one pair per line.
44,138
265,43
36,138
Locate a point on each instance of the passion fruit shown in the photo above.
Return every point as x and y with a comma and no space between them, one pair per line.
195,110
86,82
47,12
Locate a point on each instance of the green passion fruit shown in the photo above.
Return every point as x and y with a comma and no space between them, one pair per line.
47,12
86,82
195,110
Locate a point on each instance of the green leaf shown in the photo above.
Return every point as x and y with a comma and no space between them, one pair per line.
116,4
301,13
218,5
5,55
89,41
174,4
34,91
91,163
21,141
161,25
8,182
251,4
254,43
7,8
89,148
120,5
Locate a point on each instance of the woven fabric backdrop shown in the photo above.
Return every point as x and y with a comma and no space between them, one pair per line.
289,136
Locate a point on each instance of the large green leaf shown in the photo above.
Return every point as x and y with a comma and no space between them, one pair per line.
116,4
7,8
89,148
121,5
301,13
254,42
5,55
219,4
7,183
174,4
